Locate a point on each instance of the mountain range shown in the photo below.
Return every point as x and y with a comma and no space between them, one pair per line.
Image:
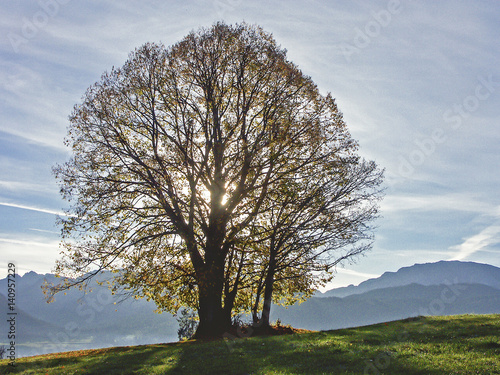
444,272
99,319
78,320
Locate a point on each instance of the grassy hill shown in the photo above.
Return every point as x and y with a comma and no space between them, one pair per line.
466,344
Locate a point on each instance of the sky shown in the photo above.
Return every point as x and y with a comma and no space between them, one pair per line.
418,83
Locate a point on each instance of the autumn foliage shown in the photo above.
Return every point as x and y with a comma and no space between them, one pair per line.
212,174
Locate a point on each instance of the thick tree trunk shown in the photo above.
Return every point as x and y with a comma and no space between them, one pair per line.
214,321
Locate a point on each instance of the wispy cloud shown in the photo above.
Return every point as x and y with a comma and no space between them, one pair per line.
487,237
453,202
363,275
29,243
32,96
25,186
43,231
32,254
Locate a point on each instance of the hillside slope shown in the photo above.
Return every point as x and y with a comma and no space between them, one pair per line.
434,345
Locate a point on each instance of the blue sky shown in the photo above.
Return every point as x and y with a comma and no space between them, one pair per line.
418,84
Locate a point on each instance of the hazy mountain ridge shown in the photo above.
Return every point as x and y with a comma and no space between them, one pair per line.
27,328
389,304
443,272
77,320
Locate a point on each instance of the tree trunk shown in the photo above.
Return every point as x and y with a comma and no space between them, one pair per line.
268,295
229,299
214,321
255,315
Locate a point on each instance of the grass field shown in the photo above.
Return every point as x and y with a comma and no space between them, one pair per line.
466,344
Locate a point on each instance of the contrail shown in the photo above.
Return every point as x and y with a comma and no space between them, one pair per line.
44,210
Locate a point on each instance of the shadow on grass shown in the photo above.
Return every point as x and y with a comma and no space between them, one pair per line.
298,354
414,346
118,360
125,360
317,353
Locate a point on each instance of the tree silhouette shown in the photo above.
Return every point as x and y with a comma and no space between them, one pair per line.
202,169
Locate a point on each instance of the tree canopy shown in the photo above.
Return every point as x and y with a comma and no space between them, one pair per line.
213,174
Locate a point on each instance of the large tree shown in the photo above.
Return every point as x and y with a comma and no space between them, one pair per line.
184,157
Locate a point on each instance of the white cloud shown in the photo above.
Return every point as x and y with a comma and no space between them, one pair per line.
26,243
25,187
33,98
37,254
454,202
43,230
345,277
356,273
487,237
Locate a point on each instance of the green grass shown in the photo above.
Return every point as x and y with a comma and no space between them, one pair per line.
466,344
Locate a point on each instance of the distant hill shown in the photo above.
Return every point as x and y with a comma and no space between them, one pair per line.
98,319
27,328
444,272
78,320
387,304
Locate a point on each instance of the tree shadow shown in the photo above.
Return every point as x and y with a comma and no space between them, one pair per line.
297,354
379,349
